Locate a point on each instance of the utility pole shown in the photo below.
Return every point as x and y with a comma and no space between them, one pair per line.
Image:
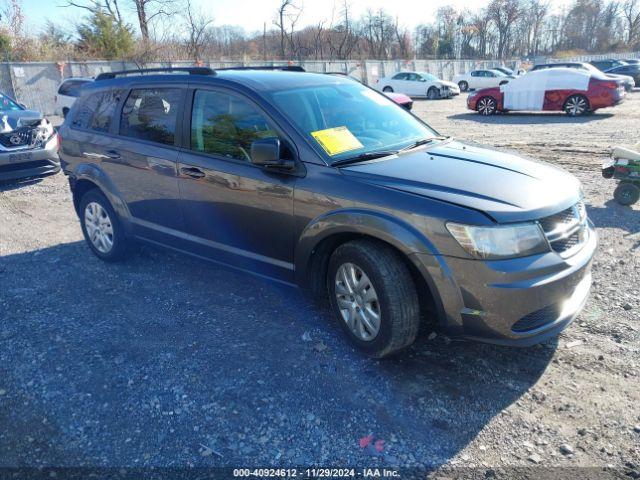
264,42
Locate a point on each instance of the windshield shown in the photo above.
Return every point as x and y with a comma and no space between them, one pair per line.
428,77
6,104
348,120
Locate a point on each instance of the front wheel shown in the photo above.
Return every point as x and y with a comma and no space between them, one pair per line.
387,89
626,193
433,93
464,86
373,297
102,228
576,105
487,106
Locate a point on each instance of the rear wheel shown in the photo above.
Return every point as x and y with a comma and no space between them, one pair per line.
626,193
487,106
576,105
373,297
433,93
387,89
65,111
102,228
464,86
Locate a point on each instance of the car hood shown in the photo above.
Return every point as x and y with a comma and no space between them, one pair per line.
12,119
398,97
506,187
448,84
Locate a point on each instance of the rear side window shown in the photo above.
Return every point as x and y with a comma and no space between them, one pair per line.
85,110
400,76
95,111
71,88
225,125
103,114
150,114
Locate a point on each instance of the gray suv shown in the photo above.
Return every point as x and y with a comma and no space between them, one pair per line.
318,181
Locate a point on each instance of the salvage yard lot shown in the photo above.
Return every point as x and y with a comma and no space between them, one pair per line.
170,361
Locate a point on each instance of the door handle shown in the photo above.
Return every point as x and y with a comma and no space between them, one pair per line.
113,154
192,172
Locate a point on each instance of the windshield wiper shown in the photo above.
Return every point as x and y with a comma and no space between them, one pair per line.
424,141
363,157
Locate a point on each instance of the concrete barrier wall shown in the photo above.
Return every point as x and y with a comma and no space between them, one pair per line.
35,83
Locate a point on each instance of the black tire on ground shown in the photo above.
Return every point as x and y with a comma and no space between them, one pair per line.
387,89
487,106
398,302
65,111
504,82
433,93
464,86
576,105
120,244
626,193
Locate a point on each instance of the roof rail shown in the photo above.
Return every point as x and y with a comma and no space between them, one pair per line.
189,70
284,68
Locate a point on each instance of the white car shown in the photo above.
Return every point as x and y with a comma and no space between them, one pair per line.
481,79
68,91
418,84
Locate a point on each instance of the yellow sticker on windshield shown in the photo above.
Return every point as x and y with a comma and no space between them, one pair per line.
336,140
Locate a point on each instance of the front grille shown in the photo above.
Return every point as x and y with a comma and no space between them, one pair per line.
17,138
13,167
536,319
566,230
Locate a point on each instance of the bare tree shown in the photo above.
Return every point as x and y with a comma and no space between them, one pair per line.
111,7
631,13
504,14
287,17
197,24
148,10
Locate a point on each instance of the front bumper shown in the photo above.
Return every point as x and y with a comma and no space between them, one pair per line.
517,302
30,162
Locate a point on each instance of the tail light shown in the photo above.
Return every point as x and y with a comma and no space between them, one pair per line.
613,85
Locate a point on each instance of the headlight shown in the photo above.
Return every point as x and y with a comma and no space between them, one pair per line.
517,240
44,131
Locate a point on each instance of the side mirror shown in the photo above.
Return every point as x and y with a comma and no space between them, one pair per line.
265,153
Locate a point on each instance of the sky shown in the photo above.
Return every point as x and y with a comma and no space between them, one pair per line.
251,14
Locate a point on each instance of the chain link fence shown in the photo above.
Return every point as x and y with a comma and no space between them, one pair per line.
36,83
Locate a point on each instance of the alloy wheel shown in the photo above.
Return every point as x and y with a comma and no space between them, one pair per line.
576,105
98,226
486,106
357,301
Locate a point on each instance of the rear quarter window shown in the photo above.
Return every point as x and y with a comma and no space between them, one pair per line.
95,111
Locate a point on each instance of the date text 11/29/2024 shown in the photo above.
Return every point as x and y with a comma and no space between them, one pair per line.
317,472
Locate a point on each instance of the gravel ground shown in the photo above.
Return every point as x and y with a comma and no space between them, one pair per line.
167,361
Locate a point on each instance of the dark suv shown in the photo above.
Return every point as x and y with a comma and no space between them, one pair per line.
321,182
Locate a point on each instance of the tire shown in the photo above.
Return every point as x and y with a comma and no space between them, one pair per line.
387,89
388,280
576,105
504,82
464,86
110,247
626,193
487,106
65,112
433,93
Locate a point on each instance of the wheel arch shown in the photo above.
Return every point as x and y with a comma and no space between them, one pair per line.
325,234
87,177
